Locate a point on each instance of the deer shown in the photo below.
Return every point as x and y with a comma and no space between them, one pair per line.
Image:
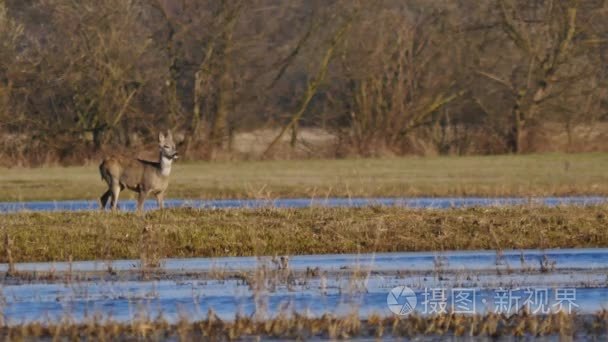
141,176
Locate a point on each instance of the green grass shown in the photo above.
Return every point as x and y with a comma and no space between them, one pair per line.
538,175
213,233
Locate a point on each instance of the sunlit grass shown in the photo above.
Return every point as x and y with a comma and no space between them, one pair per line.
298,327
528,175
93,235
185,232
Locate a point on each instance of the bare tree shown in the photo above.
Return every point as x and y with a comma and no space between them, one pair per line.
397,77
313,84
547,52
199,43
11,33
490,76
89,70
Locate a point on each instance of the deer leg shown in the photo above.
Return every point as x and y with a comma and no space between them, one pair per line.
159,199
104,199
115,193
140,201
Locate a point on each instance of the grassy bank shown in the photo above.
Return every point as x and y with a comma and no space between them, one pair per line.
487,327
194,233
528,175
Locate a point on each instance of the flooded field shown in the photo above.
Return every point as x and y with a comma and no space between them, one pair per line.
310,285
548,292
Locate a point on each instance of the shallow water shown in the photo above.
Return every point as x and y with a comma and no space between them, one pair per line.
340,284
422,203
312,284
564,259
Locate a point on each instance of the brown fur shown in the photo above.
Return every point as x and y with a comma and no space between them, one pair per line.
142,176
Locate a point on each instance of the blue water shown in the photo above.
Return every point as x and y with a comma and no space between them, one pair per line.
563,259
513,276
333,289
419,203
128,301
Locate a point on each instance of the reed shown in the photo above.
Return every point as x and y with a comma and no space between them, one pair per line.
296,326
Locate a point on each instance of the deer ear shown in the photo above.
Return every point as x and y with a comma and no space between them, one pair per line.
161,137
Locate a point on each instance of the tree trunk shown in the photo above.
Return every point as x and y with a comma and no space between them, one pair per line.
98,133
514,139
219,127
294,135
313,84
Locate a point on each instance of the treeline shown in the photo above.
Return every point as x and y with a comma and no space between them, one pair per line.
78,78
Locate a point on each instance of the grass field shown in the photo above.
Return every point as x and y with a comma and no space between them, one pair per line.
490,327
528,175
187,233
213,233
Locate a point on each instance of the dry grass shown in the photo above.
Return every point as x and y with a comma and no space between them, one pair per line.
490,327
538,175
213,233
